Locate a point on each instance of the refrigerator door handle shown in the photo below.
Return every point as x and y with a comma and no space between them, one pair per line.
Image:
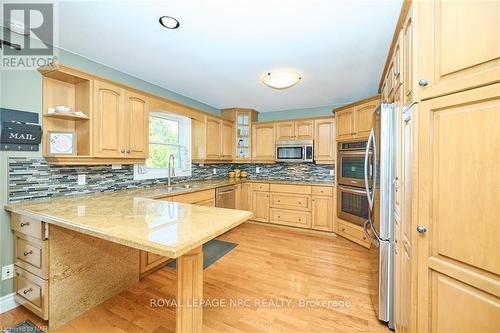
375,241
374,167
367,183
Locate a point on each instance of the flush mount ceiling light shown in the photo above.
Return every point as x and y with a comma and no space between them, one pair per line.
169,22
281,79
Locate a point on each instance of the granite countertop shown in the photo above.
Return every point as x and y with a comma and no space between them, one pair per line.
134,218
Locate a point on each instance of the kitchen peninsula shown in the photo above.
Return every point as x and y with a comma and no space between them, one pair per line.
85,249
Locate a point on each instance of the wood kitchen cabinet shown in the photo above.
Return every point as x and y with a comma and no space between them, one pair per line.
260,205
459,46
242,135
213,137
109,109
322,213
324,141
295,130
212,140
227,140
263,139
285,131
120,122
136,125
355,120
243,193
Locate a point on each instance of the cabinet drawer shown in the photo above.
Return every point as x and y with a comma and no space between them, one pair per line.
28,226
194,196
294,189
354,233
31,254
322,190
291,218
31,292
260,187
291,201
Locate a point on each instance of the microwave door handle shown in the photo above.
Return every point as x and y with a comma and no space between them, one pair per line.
367,185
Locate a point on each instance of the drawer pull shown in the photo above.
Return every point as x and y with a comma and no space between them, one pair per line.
279,216
28,253
279,200
300,203
25,291
300,220
343,229
24,224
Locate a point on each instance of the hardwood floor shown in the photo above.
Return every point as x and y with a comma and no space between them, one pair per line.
269,264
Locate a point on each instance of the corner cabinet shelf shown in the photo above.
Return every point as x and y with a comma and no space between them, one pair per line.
98,128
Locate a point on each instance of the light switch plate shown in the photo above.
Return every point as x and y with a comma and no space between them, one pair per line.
116,166
214,171
257,170
7,272
331,173
82,179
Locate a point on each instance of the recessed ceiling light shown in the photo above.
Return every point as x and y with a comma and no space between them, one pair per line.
281,79
169,22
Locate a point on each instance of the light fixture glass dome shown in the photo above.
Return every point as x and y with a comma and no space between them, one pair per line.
281,79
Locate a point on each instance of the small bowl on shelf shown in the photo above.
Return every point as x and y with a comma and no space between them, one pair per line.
232,174
62,108
244,174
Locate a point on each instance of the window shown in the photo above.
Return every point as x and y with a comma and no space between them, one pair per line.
168,134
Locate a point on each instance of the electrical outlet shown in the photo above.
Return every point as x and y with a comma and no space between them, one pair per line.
331,173
82,179
257,170
116,166
214,171
7,272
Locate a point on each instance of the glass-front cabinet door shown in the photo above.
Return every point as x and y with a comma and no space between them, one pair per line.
242,135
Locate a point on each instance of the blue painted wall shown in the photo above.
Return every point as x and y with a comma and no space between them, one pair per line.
298,113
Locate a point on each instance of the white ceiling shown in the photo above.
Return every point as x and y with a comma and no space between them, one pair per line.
223,47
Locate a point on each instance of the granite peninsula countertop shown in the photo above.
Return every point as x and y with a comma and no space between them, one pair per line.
134,218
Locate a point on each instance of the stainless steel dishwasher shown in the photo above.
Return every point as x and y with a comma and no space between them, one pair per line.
225,197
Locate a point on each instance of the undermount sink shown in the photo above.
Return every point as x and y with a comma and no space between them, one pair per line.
180,187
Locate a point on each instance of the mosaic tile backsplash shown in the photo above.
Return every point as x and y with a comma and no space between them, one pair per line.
33,178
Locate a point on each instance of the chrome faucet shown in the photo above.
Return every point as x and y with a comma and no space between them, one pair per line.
171,168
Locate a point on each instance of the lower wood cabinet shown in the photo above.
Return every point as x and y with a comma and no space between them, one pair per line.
322,213
353,233
292,218
260,206
302,206
31,291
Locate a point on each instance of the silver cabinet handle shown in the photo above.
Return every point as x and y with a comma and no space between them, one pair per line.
25,291
24,224
423,82
128,151
421,229
26,253
122,151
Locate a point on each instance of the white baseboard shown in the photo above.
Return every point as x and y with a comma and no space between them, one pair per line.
7,303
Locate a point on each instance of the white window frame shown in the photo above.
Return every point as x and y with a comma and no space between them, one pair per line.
142,172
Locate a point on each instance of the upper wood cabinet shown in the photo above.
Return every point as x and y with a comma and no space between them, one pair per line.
120,122
227,140
263,141
355,121
295,130
459,45
345,123
304,130
285,131
324,141
109,117
212,140
136,125
408,64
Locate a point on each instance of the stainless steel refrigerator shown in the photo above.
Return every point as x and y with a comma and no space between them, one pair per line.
379,174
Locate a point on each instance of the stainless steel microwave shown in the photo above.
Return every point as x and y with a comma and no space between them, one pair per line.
294,151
